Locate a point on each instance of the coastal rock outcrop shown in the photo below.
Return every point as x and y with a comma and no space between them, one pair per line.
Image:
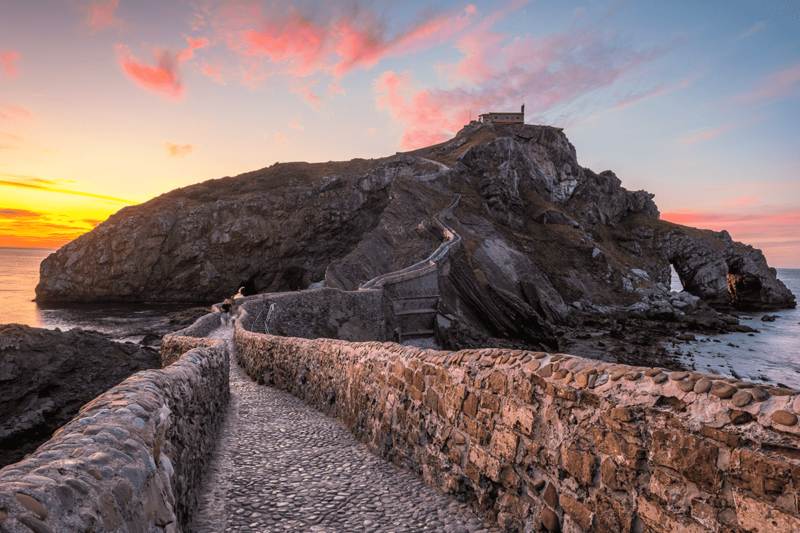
544,243
46,376
723,272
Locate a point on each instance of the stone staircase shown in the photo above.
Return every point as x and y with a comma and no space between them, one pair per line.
413,292
414,301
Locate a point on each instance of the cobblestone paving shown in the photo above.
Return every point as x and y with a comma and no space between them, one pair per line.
282,466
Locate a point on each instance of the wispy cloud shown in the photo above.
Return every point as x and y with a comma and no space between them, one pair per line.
11,112
294,124
776,86
755,29
707,134
178,151
18,214
279,137
53,186
551,72
11,141
100,15
188,52
311,99
213,71
334,41
8,68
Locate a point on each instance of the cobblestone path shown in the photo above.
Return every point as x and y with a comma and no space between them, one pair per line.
282,466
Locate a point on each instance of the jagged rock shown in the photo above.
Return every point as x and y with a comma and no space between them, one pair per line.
552,216
46,376
723,272
536,230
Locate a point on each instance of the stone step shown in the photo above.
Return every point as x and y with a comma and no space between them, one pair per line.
427,332
416,312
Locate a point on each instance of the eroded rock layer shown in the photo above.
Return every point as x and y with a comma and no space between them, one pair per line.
544,242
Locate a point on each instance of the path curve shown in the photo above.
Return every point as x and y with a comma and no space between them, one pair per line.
283,466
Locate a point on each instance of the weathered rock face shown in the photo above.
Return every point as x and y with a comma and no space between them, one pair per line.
723,272
544,240
46,376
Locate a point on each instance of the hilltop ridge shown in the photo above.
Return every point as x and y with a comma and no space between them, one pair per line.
546,243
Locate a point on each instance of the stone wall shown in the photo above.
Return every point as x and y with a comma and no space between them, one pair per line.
131,461
550,442
326,312
174,345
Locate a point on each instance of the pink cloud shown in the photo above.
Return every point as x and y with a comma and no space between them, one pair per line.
253,76
213,71
11,112
7,67
426,115
344,40
162,78
705,135
334,89
100,15
294,124
194,44
776,86
555,71
280,138
311,99
710,134
178,150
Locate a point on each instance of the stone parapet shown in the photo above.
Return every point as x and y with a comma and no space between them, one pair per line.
131,461
551,442
325,312
173,347
201,327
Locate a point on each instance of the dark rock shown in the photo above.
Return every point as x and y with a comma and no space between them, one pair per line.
536,230
46,376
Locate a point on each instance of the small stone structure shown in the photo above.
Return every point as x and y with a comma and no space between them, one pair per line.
551,442
503,117
132,460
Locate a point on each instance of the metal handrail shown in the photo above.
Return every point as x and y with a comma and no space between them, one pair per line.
266,320
453,239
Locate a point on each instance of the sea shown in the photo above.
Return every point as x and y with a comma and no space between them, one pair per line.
125,322
770,356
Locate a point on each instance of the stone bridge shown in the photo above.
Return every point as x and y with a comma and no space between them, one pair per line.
528,441
245,431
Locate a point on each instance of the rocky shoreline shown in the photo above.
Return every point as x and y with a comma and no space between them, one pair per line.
47,375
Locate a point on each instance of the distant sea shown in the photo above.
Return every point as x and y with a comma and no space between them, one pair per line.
771,356
19,274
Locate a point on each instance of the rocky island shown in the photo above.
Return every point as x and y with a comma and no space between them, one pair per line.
548,249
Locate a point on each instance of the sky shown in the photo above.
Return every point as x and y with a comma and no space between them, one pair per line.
107,103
